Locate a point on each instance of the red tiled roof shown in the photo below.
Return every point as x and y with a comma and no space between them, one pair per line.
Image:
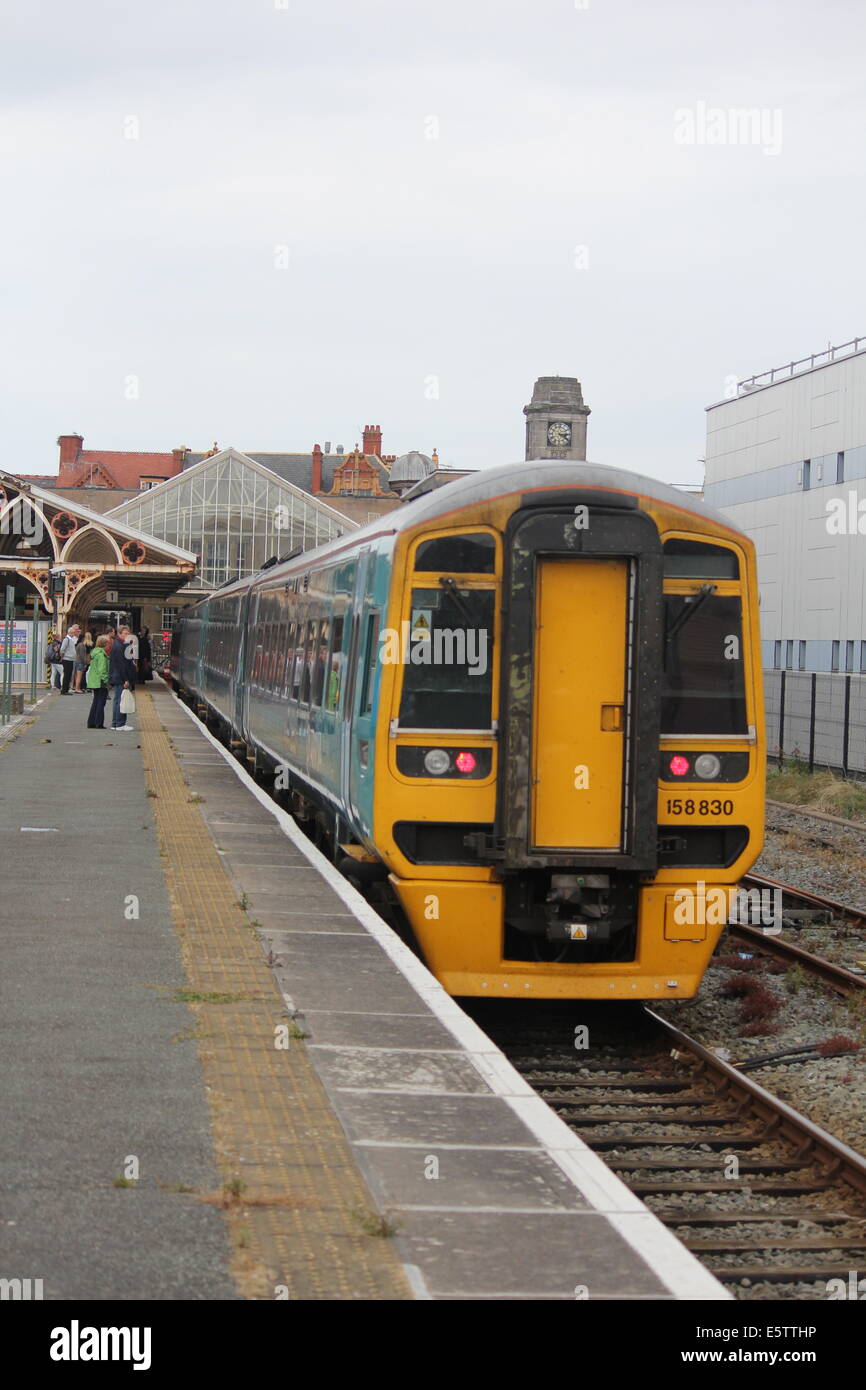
125,470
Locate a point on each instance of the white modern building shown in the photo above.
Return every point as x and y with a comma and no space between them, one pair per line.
786,460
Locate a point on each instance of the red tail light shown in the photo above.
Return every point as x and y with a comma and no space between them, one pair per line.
678,765
465,762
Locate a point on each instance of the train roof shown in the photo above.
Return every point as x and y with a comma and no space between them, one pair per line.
474,488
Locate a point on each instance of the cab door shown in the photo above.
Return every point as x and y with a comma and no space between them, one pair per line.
579,703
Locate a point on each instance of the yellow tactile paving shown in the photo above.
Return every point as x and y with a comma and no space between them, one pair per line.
295,1224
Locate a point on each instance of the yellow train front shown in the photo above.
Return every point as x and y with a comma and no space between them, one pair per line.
569,743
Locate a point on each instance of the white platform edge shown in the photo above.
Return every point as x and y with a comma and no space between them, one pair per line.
675,1266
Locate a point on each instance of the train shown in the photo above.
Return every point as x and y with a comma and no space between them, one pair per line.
526,707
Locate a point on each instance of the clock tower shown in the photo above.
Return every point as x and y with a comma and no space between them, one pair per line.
556,419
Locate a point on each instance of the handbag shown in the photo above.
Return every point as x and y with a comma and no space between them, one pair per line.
127,702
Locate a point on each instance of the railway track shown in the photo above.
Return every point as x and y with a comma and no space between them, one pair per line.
817,815
771,1203
843,980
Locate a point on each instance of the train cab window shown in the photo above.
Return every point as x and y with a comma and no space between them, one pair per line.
472,554
320,661
685,559
448,670
309,656
335,668
371,653
703,690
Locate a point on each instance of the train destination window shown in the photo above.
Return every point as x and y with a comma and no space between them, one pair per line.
703,690
685,559
472,554
448,664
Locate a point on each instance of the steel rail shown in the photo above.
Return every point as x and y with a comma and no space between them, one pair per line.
781,1117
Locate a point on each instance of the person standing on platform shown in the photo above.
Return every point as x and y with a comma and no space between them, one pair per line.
97,681
121,674
82,656
145,656
68,649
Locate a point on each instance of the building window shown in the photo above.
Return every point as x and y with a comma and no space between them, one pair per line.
840,467
863,656
802,657
169,619
777,655
834,657
807,473
849,656
789,656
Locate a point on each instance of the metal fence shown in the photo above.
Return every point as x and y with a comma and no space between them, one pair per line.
818,717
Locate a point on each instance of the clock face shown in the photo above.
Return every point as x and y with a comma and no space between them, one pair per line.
559,433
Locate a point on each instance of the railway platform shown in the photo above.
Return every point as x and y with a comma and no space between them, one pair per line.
226,1078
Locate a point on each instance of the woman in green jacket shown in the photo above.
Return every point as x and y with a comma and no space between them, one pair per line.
97,681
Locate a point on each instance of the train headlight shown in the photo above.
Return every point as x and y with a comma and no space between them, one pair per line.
708,766
465,762
678,765
437,761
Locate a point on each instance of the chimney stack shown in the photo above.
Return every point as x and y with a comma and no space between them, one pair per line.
316,484
70,447
178,456
373,439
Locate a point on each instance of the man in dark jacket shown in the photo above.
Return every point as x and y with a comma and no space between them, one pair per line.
121,674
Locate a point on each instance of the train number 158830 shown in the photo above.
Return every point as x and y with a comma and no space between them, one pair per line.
678,807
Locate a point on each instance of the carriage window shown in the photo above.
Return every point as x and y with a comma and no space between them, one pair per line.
474,554
448,675
320,662
703,690
289,657
309,655
335,668
298,662
371,653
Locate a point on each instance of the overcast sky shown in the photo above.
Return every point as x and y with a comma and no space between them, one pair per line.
278,220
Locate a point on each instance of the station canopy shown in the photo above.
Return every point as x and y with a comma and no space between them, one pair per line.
81,558
234,514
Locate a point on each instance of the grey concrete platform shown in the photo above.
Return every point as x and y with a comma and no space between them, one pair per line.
492,1195
92,1073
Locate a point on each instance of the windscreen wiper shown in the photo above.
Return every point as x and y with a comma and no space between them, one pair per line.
689,610
456,597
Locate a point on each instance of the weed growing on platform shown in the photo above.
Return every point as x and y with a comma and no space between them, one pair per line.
374,1223
297,1033
195,799
123,1182
233,1191
193,996
177,1187
243,902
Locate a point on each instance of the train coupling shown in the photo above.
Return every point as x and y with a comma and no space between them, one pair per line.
576,908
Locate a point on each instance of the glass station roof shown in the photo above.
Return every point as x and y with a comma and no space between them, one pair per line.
234,514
